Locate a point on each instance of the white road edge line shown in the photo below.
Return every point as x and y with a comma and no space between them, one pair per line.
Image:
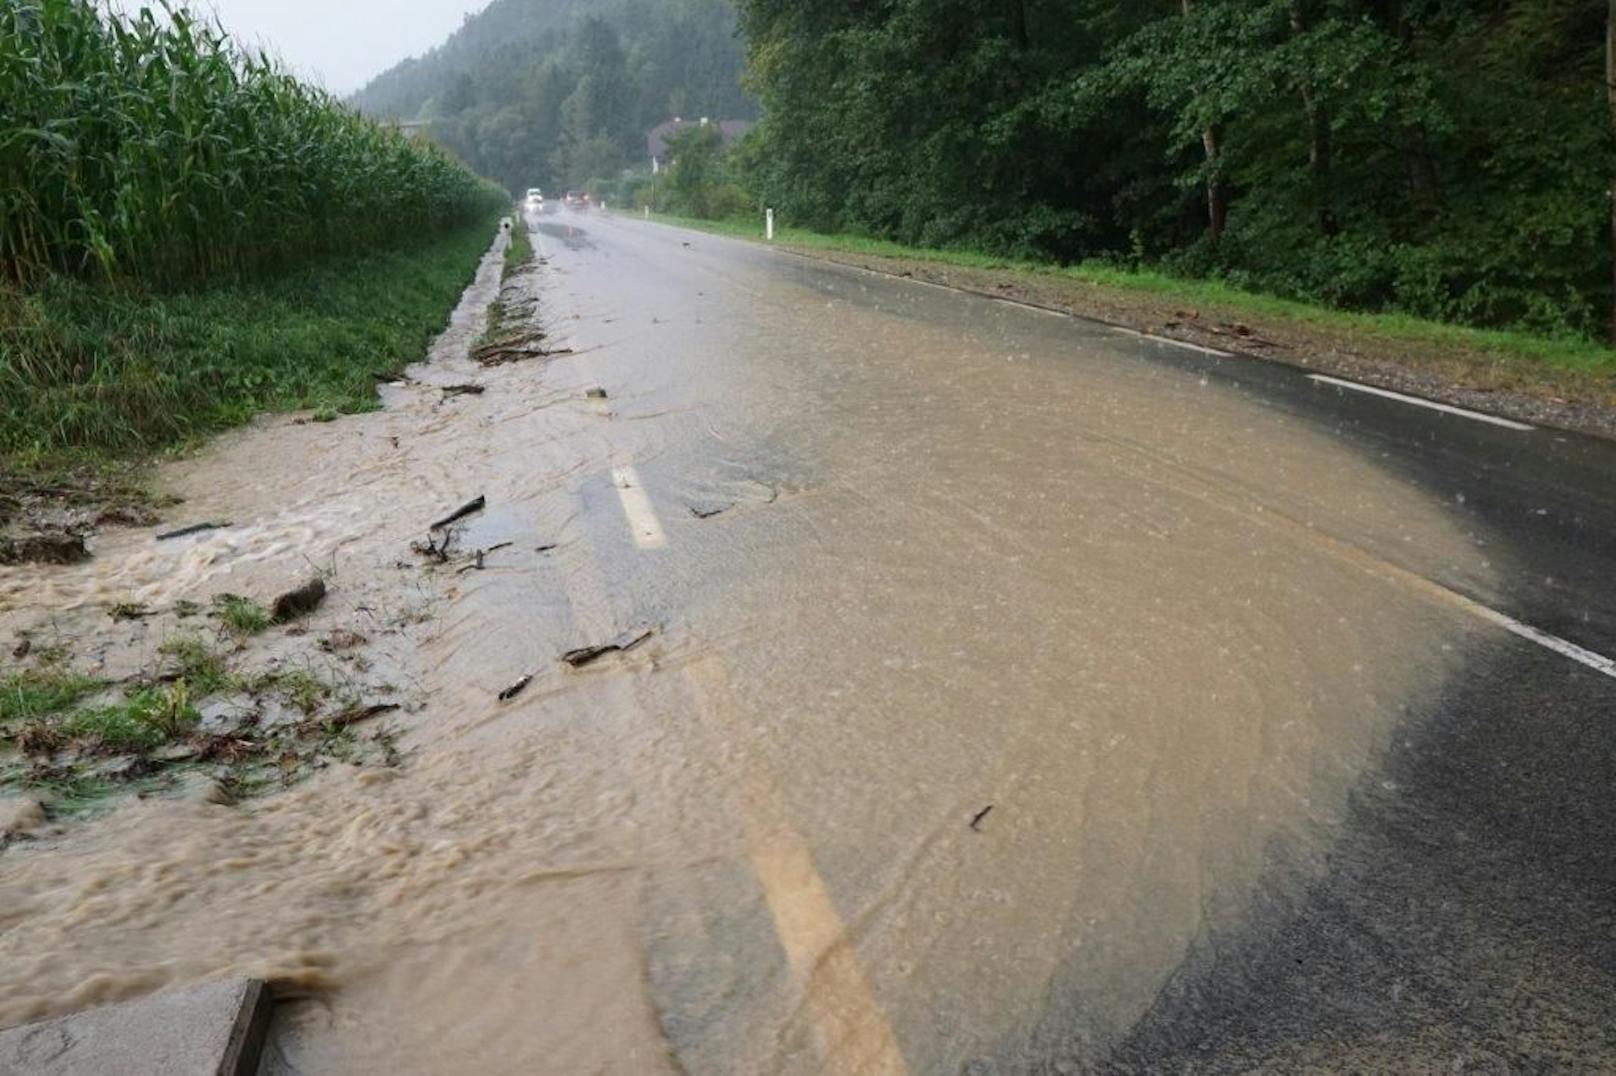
642,518
1508,424
1044,310
1186,345
1597,662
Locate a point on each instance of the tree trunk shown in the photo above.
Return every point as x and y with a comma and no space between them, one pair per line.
1610,97
1016,10
1318,130
1217,198
1423,181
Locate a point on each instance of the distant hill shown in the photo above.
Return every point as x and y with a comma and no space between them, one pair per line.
553,93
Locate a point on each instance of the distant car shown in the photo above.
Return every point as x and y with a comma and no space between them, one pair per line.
535,199
576,200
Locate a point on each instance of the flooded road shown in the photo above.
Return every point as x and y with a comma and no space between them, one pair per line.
1001,671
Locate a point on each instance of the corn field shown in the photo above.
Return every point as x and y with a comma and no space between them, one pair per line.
148,149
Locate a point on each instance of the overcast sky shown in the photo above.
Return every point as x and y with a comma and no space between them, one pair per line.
340,43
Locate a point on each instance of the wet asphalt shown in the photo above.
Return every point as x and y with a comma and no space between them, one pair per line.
1545,498
1461,912
1468,916
1466,921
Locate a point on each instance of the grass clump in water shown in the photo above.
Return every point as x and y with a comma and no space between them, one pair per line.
241,616
77,752
192,661
145,721
303,689
38,693
71,794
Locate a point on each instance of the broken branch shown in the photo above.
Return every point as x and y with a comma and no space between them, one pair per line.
621,645
469,508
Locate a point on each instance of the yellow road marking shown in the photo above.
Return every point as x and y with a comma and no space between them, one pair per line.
851,1028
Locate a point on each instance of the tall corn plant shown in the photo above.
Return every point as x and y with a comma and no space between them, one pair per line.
147,149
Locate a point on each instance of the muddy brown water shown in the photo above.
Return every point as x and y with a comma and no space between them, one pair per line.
909,555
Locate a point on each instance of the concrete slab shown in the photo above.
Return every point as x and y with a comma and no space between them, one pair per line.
212,1029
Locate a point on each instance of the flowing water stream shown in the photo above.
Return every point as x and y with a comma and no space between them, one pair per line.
991,666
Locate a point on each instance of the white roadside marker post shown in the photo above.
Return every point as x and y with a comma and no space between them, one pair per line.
768,224
647,212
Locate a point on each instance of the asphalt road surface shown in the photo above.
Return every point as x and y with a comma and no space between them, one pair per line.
1100,702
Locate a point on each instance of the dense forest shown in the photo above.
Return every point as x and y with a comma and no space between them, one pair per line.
1446,158
554,93
1450,158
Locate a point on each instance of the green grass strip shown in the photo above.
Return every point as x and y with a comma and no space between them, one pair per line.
101,371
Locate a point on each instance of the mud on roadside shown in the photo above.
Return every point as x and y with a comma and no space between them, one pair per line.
216,703
1470,378
203,693
47,513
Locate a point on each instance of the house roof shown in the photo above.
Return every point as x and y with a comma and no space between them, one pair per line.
656,141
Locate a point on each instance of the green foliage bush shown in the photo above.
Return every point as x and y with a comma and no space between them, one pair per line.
700,179
695,184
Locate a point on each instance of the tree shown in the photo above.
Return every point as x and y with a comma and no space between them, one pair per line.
1610,101
1448,158
1442,157
1318,122
564,91
1217,196
695,175
461,96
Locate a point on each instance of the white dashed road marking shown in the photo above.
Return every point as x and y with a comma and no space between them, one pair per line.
642,518
854,1034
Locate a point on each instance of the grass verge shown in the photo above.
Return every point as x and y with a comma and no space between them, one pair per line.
90,374
518,256
1560,379
519,251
